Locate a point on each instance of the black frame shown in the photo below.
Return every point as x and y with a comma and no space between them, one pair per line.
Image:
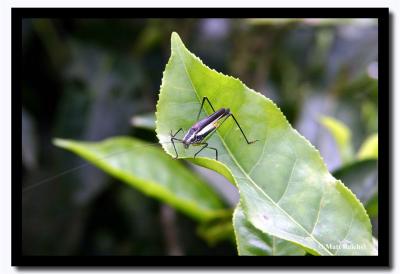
384,162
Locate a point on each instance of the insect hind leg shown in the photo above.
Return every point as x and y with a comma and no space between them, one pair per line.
240,128
205,98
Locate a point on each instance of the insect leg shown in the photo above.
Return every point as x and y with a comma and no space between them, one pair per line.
176,139
202,104
205,145
173,143
173,135
231,115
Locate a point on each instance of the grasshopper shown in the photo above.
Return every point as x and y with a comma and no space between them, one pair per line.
204,128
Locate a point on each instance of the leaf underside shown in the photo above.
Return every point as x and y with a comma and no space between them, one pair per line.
151,171
285,188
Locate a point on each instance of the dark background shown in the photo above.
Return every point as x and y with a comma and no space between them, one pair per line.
85,78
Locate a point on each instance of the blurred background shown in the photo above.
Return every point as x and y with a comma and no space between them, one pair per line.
85,79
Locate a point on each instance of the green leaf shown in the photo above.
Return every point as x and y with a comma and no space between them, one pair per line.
369,149
285,188
251,241
342,135
372,206
217,230
150,170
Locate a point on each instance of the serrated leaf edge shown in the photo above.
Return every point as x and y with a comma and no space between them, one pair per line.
175,38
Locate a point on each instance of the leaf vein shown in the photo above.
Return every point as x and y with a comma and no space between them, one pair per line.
289,180
348,230
260,158
247,176
318,213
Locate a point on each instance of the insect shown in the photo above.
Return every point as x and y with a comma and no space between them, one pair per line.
204,128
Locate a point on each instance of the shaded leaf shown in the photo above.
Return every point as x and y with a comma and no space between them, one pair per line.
217,230
372,206
148,169
361,177
286,190
251,241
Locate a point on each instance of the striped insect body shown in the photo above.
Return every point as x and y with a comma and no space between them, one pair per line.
204,128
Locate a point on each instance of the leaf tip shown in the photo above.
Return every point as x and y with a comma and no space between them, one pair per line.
58,142
176,41
174,35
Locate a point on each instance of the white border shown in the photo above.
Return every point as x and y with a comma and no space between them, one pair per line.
5,109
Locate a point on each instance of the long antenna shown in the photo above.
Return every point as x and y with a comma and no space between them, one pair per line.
34,185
